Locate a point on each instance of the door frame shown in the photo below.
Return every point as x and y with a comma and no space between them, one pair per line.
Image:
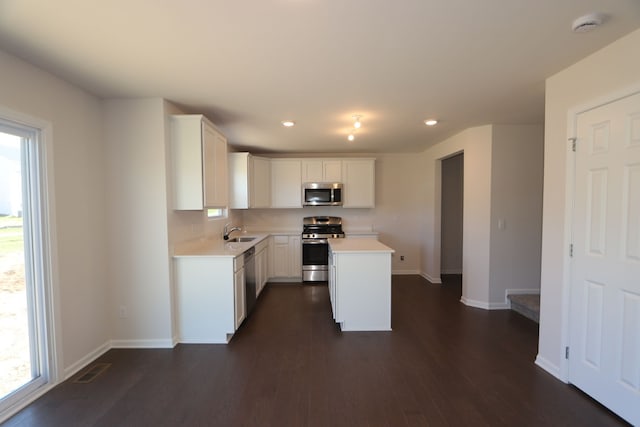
572,122
52,313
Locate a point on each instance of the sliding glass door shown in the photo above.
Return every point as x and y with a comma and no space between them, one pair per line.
24,350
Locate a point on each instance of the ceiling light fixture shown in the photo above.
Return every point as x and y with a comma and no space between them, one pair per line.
431,122
356,123
288,123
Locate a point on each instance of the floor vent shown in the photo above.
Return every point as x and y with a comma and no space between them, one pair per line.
91,373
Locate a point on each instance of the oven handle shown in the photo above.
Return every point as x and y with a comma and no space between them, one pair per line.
315,241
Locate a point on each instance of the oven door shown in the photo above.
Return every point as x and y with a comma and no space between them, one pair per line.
315,260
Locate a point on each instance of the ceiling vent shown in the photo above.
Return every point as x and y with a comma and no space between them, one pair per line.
587,23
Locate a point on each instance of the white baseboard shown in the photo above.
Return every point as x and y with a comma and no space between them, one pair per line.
435,281
484,304
159,343
90,357
474,303
549,367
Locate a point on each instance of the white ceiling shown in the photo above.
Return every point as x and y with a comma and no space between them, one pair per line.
248,64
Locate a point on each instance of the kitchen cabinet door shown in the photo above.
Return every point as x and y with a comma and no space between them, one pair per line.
261,270
280,256
295,256
321,170
286,183
285,257
215,167
358,177
249,181
199,163
239,297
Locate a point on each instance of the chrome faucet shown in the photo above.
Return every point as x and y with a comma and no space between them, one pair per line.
228,231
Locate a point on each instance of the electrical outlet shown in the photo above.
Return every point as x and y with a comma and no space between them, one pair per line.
122,312
401,257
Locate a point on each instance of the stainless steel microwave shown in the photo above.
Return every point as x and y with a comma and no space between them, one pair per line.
322,194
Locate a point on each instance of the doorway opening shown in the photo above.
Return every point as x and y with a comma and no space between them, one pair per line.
451,229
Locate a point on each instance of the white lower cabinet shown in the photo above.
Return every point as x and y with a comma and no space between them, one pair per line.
286,257
360,287
239,289
210,303
262,265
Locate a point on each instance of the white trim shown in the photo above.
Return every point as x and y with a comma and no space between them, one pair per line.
49,269
86,360
20,405
435,281
484,305
474,303
153,343
549,367
207,340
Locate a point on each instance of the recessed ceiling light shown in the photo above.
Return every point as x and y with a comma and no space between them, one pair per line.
351,137
288,123
431,122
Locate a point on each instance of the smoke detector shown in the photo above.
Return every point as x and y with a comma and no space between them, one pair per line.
587,23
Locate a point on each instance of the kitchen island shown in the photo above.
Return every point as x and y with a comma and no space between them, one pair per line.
360,284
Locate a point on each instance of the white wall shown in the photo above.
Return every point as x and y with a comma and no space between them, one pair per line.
78,191
516,201
451,218
138,245
610,70
502,180
397,216
476,145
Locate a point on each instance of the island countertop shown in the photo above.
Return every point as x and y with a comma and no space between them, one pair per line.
358,245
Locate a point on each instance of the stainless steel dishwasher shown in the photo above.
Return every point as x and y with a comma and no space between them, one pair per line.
250,278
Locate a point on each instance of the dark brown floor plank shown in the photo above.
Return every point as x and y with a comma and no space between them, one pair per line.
444,364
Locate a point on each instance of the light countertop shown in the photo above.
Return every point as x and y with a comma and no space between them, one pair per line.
217,247
356,245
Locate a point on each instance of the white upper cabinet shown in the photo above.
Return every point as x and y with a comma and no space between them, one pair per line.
249,181
321,170
286,183
199,157
359,177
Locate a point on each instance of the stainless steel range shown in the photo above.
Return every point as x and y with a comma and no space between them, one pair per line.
315,248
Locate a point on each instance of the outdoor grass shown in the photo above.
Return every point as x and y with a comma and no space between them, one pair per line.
11,237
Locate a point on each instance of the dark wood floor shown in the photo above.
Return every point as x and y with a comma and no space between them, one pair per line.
288,365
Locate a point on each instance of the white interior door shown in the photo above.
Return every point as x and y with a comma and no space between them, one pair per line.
605,288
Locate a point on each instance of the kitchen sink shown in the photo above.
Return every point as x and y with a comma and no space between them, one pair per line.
241,239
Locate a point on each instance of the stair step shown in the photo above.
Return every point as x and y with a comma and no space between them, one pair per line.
527,305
